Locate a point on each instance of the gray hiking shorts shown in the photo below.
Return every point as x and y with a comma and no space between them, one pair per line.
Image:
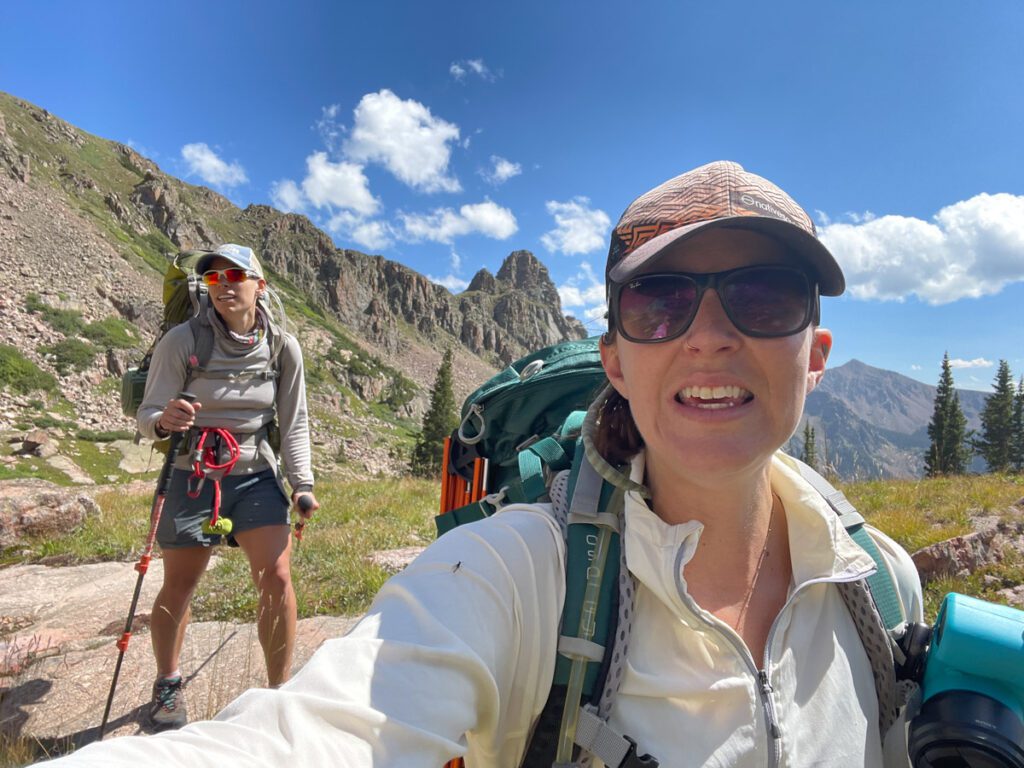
251,501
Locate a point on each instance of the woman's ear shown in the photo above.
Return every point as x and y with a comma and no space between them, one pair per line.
821,345
612,364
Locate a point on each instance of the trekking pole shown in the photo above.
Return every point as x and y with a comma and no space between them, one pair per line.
162,483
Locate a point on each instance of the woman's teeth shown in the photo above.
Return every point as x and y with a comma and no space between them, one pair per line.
727,396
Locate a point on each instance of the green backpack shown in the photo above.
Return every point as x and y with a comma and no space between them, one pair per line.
527,426
184,299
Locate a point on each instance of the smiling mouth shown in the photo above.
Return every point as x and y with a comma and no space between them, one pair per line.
713,398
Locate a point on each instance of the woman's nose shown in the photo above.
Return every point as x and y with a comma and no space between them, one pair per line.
711,329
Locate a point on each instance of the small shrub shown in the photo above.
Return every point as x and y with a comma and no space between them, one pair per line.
22,375
46,421
70,354
66,321
111,332
93,436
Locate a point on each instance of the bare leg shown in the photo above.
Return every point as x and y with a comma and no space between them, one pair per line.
269,552
182,571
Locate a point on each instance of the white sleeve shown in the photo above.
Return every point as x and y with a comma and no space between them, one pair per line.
456,652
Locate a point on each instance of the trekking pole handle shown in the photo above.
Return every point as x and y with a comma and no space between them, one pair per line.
305,503
176,437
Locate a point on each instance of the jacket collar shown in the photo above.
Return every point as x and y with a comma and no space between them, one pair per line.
820,548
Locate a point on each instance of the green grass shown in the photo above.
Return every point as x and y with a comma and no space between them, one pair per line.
331,573
333,576
918,513
70,355
330,569
20,374
111,332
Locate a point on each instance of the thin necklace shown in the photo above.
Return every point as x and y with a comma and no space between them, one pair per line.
760,561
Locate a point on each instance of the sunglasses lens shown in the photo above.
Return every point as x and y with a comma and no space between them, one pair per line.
657,307
767,301
230,275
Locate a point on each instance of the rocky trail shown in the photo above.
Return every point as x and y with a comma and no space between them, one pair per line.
58,658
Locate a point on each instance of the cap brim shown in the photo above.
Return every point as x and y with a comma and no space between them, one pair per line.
807,248
203,262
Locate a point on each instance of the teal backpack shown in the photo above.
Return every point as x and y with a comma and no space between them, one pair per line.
525,437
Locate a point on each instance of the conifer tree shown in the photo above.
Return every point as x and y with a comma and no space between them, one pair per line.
948,453
438,422
996,442
809,455
1017,459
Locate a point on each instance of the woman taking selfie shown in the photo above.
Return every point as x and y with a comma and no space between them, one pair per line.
741,651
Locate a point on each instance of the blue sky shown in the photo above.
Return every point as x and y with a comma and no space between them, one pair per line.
446,135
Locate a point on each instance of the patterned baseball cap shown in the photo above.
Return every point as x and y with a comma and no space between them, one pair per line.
237,254
719,194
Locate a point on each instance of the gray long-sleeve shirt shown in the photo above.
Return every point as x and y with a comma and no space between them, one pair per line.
243,406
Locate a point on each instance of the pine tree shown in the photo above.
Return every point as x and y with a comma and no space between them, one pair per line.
996,442
809,455
948,453
1017,459
438,422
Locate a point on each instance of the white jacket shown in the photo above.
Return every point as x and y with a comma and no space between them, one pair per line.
457,652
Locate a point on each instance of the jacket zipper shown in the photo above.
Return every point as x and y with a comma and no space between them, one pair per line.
765,689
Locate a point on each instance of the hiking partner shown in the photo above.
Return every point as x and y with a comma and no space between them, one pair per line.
742,652
251,492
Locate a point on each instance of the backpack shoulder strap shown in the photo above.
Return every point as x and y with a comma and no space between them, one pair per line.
874,606
588,509
202,338
882,584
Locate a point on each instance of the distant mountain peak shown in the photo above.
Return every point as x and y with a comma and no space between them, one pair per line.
483,281
522,270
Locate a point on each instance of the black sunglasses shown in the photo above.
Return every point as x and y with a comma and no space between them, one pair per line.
761,301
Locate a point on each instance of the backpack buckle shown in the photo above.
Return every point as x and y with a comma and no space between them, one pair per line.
632,760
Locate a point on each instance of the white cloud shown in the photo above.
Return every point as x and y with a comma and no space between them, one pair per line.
444,224
459,70
501,170
969,249
371,235
978,362
342,185
583,295
286,196
451,282
330,130
916,367
405,138
207,165
579,228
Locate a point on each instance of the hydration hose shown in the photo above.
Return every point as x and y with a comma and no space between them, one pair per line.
588,623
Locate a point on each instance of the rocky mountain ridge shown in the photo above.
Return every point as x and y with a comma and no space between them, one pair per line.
87,226
872,423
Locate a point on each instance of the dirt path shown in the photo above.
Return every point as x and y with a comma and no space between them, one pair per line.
57,659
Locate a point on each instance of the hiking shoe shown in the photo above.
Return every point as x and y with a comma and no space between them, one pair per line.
168,707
